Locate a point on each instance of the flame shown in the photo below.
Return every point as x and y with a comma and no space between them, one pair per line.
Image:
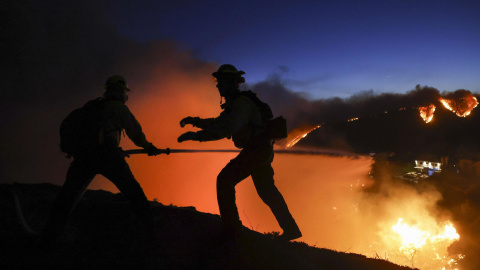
427,112
462,107
412,237
415,238
297,134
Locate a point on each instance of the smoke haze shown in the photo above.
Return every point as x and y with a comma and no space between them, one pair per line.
56,57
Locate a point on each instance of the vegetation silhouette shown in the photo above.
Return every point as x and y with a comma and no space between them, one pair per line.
403,132
104,234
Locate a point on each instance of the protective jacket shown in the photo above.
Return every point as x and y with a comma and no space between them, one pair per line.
116,116
241,120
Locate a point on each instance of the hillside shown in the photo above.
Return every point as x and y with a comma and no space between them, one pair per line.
402,132
104,234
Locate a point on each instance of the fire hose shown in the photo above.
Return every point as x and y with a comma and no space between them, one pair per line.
168,151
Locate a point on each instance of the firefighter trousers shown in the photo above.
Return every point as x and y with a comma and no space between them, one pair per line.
80,174
254,162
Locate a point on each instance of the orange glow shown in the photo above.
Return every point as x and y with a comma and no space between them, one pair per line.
324,194
296,135
412,233
462,107
427,113
413,240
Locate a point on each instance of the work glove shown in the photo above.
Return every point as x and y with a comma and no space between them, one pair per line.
189,120
152,150
188,136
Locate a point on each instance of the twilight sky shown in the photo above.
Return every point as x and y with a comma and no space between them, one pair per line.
323,48
57,54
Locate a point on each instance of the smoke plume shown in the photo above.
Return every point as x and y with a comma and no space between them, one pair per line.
56,56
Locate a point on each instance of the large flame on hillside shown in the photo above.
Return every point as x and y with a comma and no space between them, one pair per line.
427,112
462,106
460,102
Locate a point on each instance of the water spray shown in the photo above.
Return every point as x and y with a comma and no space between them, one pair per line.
168,151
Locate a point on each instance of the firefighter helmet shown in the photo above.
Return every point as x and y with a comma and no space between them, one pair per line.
227,69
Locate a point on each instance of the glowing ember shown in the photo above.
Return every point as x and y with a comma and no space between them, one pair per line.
427,113
461,106
353,119
296,135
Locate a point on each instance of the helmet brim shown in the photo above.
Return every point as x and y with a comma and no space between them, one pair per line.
217,74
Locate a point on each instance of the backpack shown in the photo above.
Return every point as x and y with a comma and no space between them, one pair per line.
274,128
81,131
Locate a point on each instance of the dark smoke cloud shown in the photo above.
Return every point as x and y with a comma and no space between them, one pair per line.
405,131
56,56
299,109
385,119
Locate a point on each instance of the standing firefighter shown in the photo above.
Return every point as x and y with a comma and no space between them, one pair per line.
243,118
91,135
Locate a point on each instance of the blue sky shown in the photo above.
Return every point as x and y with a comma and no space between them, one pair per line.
323,48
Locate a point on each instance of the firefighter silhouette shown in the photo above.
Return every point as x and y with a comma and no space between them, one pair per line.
103,156
242,120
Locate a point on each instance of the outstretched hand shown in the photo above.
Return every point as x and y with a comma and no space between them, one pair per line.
188,120
188,136
152,150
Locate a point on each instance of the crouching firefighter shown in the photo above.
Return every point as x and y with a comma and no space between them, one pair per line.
244,118
91,135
